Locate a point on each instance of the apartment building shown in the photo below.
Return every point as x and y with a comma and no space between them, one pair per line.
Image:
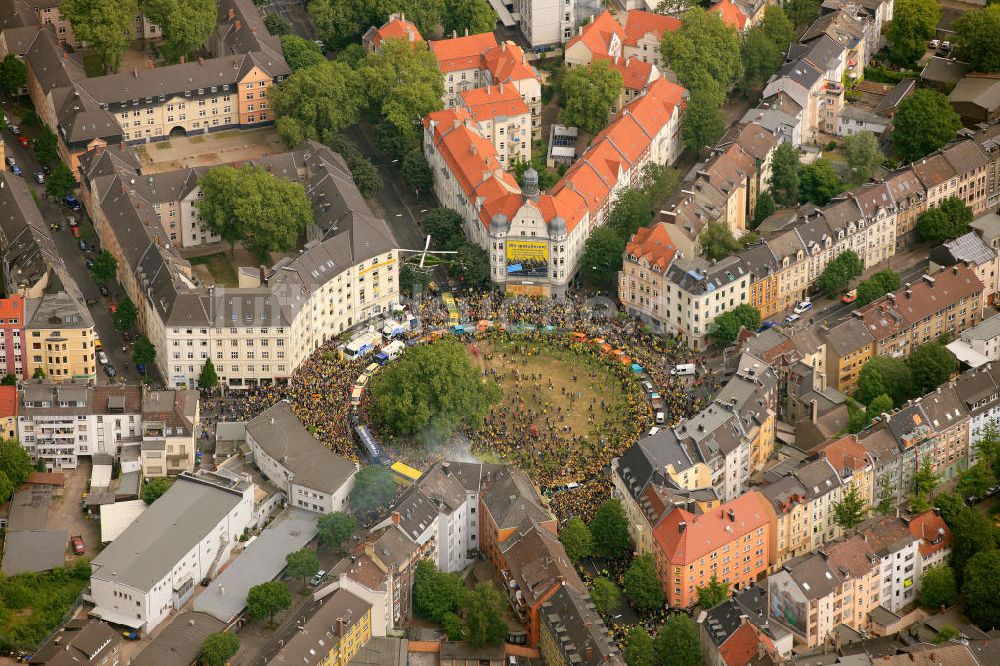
934,538
764,271
332,635
8,411
729,543
910,197
534,240
12,336
970,249
312,476
503,118
951,422
980,344
544,22
853,465
28,252
957,170
602,36
45,13
59,336
649,252
806,85
644,33
260,332
979,391
566,637
397,27
171,426
192,528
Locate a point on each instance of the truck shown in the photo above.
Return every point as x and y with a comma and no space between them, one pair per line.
390,351
392,328
362,345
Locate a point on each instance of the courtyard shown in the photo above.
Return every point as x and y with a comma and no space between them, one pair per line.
207,150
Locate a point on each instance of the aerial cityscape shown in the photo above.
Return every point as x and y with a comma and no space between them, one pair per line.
500,332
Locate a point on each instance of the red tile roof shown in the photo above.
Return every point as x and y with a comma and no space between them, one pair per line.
740,648
8,401
507,62
846,452
731,14
927,526
462,52
494,101
639,23
636,74
598,35
397,28
12,308
57,479
708,532
653,244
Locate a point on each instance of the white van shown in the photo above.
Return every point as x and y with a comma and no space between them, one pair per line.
683,369
660,418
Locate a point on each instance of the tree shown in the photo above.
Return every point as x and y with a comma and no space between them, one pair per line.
363,172
45,147
850,511
40,465
453,627
15,464
676,643
60,182
981,589
186,24
143,351
630,212
642,587
302,563
470,266
882,404
602,257
727,326
703,122
839,273
433,388
249,204
976,38
913,23
484,624
638,647
885,496
764,209
703,48
436,593
883,374
373,489
877,286
105,267
125,315
300,53
936,226
317,102
778,27
277,25
930,366
610,530
589,93
717,241
403,83
546,179
416,171
476,16
604,594
104,24
8,380
13,75
390,141
925,479
576,539
39,373
972,532
713,594
923,123
819,183
335,528
937,587
154,489
950,507
946,633
785,175
444,226
863,155
268,599
802,12
659,183
988,446
761,55
208,379
218,648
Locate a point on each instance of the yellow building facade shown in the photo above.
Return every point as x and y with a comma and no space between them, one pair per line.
60,338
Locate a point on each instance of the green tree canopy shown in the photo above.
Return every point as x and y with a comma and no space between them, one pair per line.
877,286
576,539
778,27
207,378
923,123
604,594
930,366
676,643
267,600
484,623
975,481
249,204
976,33
819,183
727,326
713,594
602,257
186,24
104,24
432,386
630,212
638,647
13,75
785,180
981,589
436,593
590,92
154,489
850,511
609,529
144,352
717,241
703,123
335,528
125,315
476,16
950,220
444,226
45,147
839,273
642,587
14,461
470,267
363,172
373,489
416,171
403,84
764,209
802,12
659,182
937,587
913,23
343,22
316,102
883,374
60,182
885,496
703,47
218,648
301,563
972,532
863,155
761,55
300,53
105,267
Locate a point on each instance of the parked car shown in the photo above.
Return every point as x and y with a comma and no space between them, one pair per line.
103,290
946,46
72,222
850,296
766,325
934,44
24,141
75,231
90,262
16,170
802,307
39,177
109,370
83,243
102,358
14,129
791,319
78,546
318,578
11,161
72,202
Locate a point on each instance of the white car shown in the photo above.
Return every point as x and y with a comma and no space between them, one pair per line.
792,318
804,306
946,46
102,358
934,43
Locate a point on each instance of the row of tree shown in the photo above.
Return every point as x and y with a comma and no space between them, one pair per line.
474,615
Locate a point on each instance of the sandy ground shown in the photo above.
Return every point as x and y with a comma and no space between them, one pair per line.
210,149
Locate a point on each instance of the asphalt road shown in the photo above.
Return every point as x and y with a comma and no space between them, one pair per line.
75,260
295,13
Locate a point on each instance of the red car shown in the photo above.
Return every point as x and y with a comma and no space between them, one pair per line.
76,232
77,542
25,141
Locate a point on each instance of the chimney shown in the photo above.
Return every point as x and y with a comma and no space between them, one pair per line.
503,46
466,31
340,627
454,35
472,148
238,24
954,269
263,274
395,517
589,652
681,526
909,294
501,87
813,411
732,516
183,59
446,467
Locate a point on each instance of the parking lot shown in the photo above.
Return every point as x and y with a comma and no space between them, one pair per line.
209,149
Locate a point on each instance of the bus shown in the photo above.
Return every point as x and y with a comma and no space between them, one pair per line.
403,474
454,316
370,448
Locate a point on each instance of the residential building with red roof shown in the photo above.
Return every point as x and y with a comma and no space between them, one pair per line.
934,535
502,117
730,543
636,77
8,412
543,22
397,27
535,239
12,336
603,36
648,254
731,15
644,33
